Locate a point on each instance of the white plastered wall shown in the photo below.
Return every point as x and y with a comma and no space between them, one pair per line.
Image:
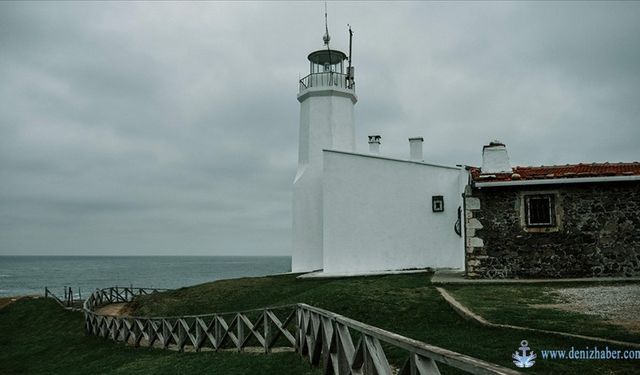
326,121
378,215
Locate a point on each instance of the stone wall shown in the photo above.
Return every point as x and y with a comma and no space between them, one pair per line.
597,232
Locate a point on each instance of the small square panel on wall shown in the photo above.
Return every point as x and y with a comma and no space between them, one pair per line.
437,203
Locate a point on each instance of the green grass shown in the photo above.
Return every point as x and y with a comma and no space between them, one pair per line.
39,337
407,304
510,304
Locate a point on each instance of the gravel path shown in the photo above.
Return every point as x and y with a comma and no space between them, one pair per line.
618,303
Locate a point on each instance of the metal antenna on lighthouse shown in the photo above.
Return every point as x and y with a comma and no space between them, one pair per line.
326,38
350,68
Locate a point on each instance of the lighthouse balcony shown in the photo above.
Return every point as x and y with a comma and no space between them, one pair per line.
328,80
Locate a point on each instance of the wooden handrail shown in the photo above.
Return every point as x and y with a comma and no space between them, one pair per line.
448,357
322,336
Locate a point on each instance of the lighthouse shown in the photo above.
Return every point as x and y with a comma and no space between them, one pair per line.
327,98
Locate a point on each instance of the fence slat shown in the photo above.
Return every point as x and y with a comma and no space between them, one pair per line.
425,366
282,327
377,357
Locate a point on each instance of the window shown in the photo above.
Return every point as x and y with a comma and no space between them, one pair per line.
540,210
437,203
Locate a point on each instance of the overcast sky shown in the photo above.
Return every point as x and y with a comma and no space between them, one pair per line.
171,128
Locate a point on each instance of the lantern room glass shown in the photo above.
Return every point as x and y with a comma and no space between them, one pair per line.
326,68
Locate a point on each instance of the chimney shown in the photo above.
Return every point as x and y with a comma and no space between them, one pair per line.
374,144
415,149
495,158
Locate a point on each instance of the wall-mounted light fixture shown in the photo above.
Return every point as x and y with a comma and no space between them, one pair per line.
437,203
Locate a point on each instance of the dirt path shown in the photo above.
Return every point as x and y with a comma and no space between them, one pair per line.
115,309
6,301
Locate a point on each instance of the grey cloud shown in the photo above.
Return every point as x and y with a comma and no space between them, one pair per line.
171,128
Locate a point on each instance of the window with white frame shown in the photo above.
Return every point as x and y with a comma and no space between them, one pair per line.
540,210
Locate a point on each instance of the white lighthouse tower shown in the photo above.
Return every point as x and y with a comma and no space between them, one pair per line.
327,98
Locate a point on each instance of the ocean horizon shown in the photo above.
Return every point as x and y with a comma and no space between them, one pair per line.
29,275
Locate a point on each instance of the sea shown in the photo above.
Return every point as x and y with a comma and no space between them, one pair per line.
29,275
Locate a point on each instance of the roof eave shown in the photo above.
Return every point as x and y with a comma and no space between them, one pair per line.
557,181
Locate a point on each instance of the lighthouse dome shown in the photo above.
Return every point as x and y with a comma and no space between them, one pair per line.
327,56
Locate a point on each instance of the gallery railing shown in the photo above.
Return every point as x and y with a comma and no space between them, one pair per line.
336,343
326,79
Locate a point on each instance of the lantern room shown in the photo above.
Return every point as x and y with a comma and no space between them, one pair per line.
327,60
328,68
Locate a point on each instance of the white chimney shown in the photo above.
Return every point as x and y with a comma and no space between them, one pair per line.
495,158
415,149
374,144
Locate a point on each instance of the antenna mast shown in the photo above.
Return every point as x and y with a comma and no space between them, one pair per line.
350,68
326,37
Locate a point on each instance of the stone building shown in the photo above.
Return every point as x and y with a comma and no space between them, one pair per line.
560,221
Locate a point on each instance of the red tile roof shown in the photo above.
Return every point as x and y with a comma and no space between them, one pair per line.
560,171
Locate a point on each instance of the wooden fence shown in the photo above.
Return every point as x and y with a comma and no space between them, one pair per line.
337,344
237,330
68,301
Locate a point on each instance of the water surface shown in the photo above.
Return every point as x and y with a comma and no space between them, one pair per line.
23,275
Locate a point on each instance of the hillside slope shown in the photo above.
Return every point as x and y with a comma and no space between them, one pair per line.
38,337
406,304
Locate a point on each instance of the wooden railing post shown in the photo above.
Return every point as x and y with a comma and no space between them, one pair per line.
240,329
267,330
297,330
216,332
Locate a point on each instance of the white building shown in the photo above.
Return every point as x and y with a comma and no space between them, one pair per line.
359,213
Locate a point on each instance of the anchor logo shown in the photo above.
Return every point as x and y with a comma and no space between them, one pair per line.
521,359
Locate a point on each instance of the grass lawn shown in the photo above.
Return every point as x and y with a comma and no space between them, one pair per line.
407,304
510,304
39,337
